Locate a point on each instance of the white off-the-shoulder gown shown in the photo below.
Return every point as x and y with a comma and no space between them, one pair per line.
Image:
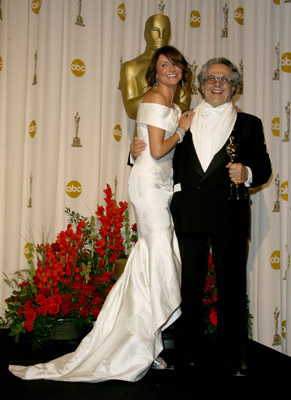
127,335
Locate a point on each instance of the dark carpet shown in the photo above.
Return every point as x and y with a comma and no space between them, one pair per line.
267,372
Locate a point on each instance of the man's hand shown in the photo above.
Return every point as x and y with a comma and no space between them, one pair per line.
238,173
137,147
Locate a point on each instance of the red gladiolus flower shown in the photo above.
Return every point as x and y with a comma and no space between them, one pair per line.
105,277
56,247
41,299
45,292
84,312
82,299
97,300
96,311
89,289
57,299
78,278
208,284
66,309
68,270
213,317
77,286
110,245
67,298
210,260
53,304
23,284
30,315
43,310
27,304
28,326
53,308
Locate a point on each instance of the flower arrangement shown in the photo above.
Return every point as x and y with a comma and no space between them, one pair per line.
210,302
70,278
210,299
113,243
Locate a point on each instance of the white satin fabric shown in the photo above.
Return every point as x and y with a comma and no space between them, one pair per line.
126,337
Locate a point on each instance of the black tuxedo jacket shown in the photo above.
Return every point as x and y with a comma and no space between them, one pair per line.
200,200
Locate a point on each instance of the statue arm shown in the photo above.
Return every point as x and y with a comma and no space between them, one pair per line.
182,98
131,104
132,91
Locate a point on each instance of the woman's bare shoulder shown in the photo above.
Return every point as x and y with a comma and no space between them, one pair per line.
154,96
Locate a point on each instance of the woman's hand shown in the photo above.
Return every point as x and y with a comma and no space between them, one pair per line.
186,119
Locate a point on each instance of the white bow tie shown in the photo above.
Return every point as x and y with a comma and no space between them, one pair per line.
209,110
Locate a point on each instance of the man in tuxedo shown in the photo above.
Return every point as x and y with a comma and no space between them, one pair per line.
222,148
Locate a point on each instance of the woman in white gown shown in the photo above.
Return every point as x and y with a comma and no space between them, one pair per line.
127,336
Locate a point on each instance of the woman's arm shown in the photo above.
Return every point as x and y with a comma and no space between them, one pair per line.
159,146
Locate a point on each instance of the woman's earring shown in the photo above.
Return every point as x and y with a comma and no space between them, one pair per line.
182,83
156,82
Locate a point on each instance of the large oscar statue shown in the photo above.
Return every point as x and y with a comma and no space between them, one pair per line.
132,74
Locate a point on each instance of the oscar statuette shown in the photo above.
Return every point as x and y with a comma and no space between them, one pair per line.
238,191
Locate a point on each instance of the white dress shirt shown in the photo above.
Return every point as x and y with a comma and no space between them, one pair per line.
207,143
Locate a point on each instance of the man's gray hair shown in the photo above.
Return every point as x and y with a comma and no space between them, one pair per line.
236,76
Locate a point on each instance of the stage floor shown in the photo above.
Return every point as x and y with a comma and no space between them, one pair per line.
267,366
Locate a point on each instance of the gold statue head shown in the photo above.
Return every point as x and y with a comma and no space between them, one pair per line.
157,31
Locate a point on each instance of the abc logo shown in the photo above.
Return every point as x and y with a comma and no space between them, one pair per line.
275,259
121,12
1,63
74,189
195,19
32,128
286,62
284,190
284,329
276,126
117,133
26,249
35,6
78,67
239,15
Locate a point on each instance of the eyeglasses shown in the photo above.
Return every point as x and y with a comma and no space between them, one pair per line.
223,80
